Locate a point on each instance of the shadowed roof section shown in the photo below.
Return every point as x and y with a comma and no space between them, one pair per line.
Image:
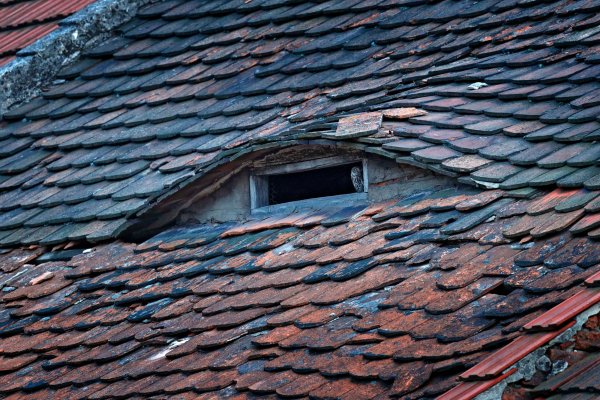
510,93
22,22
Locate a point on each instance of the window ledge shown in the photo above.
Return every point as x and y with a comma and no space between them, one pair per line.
319,203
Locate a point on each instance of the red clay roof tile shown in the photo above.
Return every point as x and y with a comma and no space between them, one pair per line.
593,280
565,311
470,390
497,362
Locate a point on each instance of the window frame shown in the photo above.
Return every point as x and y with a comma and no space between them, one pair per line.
259,186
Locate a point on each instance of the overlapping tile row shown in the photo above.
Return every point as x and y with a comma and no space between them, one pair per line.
187,82
397,299
24,22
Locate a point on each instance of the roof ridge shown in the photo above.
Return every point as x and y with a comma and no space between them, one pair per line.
81,30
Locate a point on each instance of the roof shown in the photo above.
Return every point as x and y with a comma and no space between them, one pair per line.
22,22
434,294
184,85
368,303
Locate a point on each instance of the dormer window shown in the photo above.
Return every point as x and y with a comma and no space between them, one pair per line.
301,178
325,179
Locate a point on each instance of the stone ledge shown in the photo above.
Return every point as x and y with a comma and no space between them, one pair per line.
37,65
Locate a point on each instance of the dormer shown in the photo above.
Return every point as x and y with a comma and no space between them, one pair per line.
352,161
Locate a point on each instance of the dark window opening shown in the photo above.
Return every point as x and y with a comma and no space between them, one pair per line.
330,181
